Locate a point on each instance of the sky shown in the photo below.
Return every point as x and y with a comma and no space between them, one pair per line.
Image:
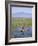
21,12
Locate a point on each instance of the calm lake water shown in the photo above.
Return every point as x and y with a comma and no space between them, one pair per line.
19,33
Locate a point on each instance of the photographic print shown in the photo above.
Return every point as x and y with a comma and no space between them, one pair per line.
21,22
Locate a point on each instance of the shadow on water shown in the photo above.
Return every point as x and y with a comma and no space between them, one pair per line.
21,33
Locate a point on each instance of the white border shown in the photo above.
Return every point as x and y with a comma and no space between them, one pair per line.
33,28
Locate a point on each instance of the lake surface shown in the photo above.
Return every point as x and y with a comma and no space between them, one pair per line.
21,33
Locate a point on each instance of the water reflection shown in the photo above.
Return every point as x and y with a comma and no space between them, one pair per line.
20,33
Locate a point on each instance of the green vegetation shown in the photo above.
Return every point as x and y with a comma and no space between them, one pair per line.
21,22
